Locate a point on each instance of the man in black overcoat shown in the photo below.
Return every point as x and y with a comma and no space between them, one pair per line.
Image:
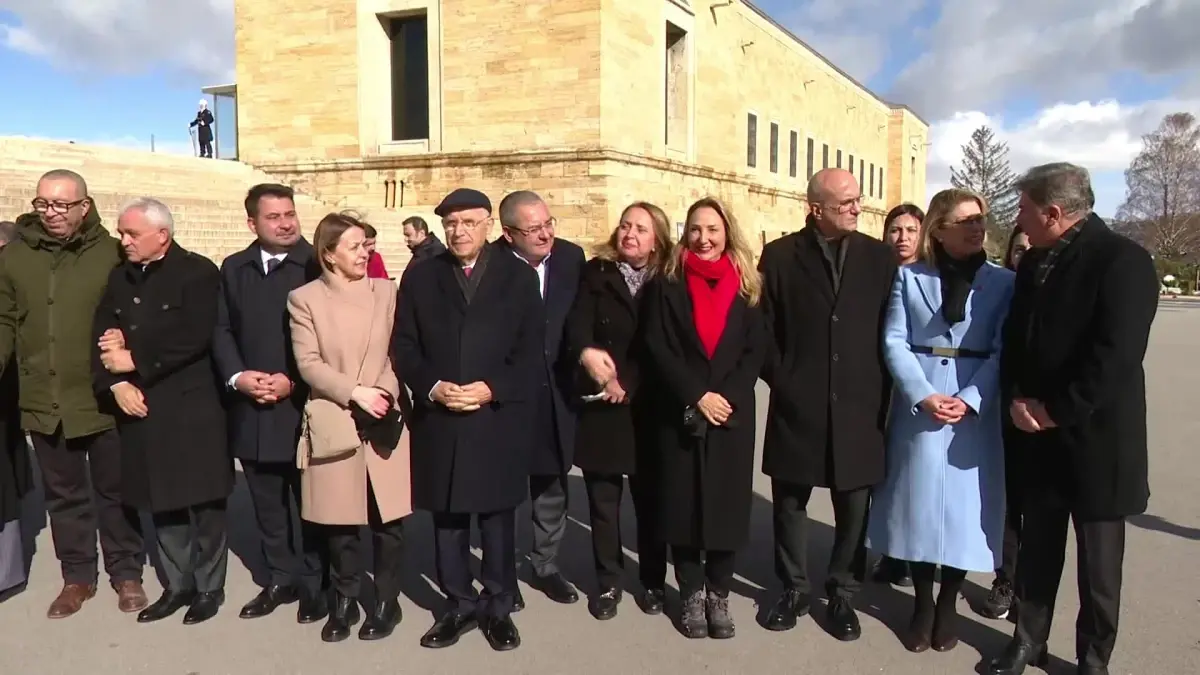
152,365
469,339
826,293
529,236
265,395
1074,342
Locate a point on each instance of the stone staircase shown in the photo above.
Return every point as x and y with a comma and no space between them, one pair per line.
206,196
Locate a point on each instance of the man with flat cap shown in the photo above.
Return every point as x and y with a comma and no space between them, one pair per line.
468,341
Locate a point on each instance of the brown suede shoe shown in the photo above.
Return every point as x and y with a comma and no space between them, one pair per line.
131,597
70,600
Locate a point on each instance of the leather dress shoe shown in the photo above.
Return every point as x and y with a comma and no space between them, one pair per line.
70,600
556,588
501,633
131,597
447,630
791,605
604,605
204,607
891,571
381,621
166,605
314,606
843,621
652,601
341,619
268,600
518,601
1017,656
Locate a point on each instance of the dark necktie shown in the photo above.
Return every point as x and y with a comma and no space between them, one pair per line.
272,263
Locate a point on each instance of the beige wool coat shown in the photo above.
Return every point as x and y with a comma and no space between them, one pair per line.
334,322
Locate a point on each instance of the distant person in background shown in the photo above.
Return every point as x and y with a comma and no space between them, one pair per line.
423,243
204,120
902,231
375,266
16,477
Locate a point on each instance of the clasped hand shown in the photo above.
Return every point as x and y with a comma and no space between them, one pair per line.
371,399
462,398
945,409
115,358
1029,415
264,387
715,408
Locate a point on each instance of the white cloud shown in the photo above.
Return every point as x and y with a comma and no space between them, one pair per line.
194,37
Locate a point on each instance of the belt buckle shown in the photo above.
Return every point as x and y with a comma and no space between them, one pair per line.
945,352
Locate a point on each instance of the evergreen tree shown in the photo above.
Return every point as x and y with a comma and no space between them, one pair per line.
985,171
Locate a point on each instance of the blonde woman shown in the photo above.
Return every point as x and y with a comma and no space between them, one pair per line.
706,342
614,437
341,332
942,501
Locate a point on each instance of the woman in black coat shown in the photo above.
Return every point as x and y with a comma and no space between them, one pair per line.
706,342
16,477
613,439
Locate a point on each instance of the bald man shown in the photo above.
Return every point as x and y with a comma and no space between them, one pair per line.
826,317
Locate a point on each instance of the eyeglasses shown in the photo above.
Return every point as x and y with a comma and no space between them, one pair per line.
463,224
536,229
42,206
977,220
846,205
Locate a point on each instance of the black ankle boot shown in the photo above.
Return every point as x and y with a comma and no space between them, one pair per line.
341,619
382,621
945,627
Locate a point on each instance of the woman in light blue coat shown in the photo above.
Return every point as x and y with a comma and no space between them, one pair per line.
942,502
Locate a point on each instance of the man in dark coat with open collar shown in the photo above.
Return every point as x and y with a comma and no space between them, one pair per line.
152,364
252,348
468,342
529,236
825,297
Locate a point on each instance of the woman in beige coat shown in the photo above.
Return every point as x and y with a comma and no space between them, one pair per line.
341,325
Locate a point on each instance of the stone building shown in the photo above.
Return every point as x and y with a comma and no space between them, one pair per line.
593,103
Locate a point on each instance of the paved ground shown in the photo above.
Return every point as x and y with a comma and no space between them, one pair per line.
1159,633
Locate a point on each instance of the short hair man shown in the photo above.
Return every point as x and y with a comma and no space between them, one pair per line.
152,365
51,279
1076,335
468,341
252,348
420,241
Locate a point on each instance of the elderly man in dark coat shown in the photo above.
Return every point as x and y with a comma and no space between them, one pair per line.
468,341
152,362
253,352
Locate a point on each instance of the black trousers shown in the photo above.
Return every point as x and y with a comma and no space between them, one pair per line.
193,547
275,493
604,493
77,510
697,569
548,502
1100,548
452,542
346,555
847,561
1011,544
206,149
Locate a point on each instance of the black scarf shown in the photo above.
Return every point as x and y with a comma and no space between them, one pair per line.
957,277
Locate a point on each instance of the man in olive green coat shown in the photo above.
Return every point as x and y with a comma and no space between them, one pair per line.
52,276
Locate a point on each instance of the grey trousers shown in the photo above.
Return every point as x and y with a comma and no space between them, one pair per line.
12,555
548,495
193,559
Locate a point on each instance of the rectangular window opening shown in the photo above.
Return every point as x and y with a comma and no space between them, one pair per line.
676,80
751,140
409,37
774,147
793,151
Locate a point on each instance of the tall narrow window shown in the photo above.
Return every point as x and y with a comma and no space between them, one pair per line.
824,155
881,195
751,140
793,151
850,165
676,119
774,147
912,171
811,158
872,193
839,159
862,173
409,36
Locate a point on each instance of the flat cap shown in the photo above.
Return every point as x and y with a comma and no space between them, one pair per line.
462,199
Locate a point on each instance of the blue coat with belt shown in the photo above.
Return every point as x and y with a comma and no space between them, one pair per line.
942,500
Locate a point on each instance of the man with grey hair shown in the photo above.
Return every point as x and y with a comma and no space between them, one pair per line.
51,278
529,234
153,368
1072,378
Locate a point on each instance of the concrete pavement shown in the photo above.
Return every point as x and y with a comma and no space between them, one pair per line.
1159,634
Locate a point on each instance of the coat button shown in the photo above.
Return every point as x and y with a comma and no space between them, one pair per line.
157,364
52,373
835,357
133,327
54,405
945,362
49,301
166,306
137,301
833,397
834,318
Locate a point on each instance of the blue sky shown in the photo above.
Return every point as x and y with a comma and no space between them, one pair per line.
122,71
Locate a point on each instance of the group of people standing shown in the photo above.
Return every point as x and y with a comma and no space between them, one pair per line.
932,392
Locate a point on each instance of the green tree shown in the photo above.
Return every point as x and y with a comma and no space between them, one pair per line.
985,170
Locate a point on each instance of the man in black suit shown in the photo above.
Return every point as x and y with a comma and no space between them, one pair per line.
529,236
252,347
825,294
1074,341
468,342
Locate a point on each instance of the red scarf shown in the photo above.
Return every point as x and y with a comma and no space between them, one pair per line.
710,301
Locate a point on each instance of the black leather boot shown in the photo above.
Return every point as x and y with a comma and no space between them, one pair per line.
341,619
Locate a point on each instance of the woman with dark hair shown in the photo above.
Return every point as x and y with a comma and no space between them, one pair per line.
902,231
614,437
375,267
706,342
